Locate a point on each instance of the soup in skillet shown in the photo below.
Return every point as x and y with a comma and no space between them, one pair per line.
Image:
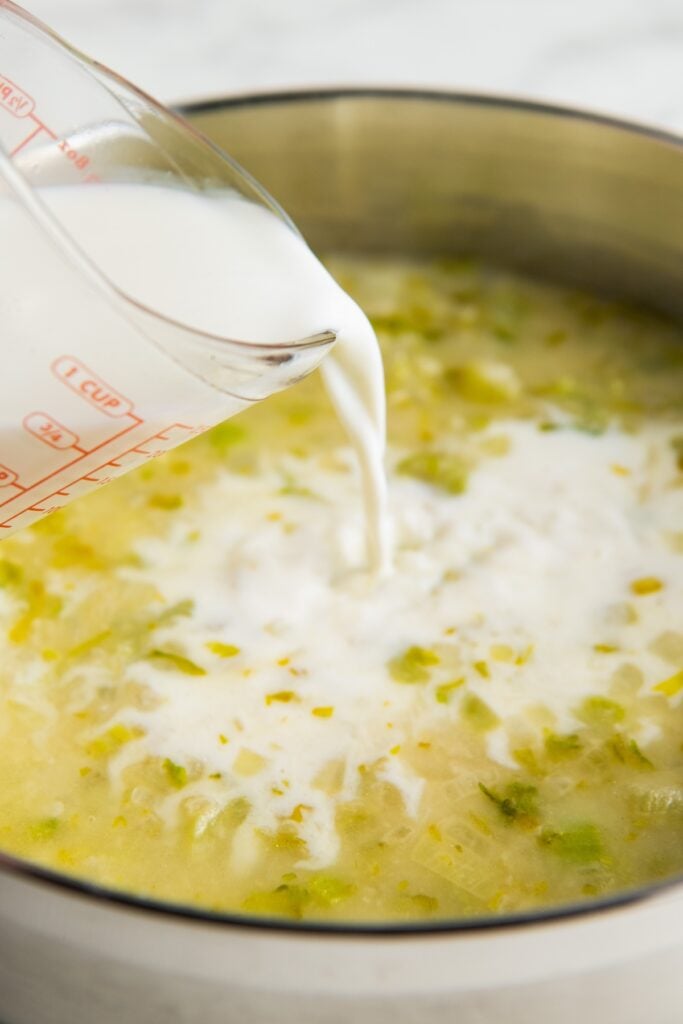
206,699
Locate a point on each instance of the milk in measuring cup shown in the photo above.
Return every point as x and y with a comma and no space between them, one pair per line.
86,395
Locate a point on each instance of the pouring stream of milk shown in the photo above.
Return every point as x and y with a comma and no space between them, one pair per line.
231,268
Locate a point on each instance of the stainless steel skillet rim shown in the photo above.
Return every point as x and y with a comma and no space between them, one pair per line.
494,101
93,893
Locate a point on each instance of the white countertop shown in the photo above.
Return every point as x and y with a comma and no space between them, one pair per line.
621,57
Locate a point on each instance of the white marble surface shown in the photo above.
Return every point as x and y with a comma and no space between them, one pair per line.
622,57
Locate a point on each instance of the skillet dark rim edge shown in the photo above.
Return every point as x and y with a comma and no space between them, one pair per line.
358,930
473,99
93,892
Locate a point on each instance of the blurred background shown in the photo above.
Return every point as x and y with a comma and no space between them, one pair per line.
622,57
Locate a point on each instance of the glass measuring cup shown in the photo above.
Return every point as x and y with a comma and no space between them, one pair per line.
93,381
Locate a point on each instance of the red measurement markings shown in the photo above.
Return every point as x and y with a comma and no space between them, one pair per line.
79,160
148,448
135,422
15,100
92,388
50,431
25,142
8,477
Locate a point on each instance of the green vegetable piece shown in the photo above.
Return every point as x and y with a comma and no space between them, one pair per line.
628,752
292,489
44,829
526,757
90,644
579,843
175,773
562,745
327,890
182,664
672,686
112,739
485,381
166,502
519,800
286,901
221,649
225,435
413,665
441,469
444,692
478,713
173,612
600,712
10,573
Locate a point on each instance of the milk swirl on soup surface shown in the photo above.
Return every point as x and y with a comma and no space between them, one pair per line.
212,678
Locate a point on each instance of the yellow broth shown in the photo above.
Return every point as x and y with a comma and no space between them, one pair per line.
577,814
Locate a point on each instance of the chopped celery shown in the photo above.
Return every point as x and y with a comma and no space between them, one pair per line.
221,649
518,800
166,502
175,773
44,829
562,745
413,666
285,901
444,691
88,645
441,469
672,686
478,713
112,739
628,752
600,711
292,489
327,890
10,573
485,381
578,843
177,661
173,612
225,435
